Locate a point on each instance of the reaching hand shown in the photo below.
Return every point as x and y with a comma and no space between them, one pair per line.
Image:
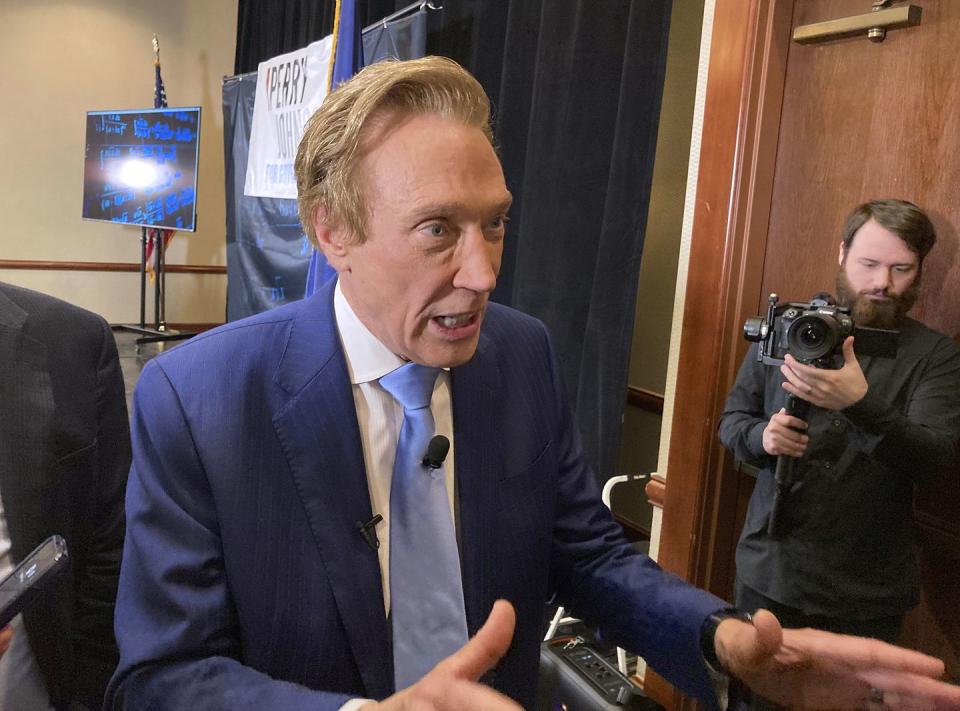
452,684
829,389
812,669
780,436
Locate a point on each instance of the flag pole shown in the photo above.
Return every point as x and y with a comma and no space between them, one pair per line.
154,243
333,46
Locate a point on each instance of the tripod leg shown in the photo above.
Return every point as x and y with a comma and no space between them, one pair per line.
784,475
162,278
157,248
143,277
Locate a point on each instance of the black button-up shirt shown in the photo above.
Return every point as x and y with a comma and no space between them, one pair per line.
846,543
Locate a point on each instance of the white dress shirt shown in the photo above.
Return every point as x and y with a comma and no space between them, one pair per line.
380,417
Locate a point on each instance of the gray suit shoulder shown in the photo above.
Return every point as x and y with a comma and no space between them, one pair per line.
62,327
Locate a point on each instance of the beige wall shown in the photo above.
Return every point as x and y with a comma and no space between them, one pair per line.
60,59
640,438
658,269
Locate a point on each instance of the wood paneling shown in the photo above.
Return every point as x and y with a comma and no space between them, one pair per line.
47,265
860,121
646,400
656,491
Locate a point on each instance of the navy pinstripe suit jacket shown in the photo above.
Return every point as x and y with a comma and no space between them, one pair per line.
245,582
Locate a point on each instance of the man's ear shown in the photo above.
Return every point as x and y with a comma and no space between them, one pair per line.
332,240
843,253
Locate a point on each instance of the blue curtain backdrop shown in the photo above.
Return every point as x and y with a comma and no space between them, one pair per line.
576,88
266,28
406,37
268,256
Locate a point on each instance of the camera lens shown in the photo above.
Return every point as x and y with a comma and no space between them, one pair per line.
812,336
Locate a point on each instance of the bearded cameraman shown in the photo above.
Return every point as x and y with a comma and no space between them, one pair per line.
842,560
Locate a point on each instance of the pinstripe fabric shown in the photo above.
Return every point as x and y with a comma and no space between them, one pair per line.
244,570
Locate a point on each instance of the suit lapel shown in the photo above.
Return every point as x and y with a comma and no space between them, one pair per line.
478,440
320,436
25,442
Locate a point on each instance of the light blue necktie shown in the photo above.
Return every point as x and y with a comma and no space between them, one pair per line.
426,591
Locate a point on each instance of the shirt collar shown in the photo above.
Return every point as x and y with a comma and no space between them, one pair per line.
367,358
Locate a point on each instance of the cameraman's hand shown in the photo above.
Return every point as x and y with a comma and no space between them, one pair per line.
780,436
829,389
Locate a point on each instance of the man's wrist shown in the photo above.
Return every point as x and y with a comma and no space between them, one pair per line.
731,693
708,635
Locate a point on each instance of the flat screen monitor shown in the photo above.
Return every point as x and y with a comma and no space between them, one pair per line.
141,167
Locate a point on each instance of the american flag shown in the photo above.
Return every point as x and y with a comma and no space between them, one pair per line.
159,93
159,102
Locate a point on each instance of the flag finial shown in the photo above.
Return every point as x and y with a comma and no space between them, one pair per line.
156,47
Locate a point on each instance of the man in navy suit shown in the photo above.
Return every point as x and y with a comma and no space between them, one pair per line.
264,451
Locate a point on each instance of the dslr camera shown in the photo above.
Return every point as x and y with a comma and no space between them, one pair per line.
814,333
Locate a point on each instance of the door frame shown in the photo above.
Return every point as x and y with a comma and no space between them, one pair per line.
745,81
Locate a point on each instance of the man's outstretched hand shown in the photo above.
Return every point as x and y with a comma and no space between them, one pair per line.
452,684
812,669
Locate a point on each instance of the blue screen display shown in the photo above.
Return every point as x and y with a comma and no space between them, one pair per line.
141,167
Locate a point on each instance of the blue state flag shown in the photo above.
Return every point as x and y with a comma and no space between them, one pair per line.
348,57
347,61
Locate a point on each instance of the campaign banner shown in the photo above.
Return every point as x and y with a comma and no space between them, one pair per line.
290,87
267,251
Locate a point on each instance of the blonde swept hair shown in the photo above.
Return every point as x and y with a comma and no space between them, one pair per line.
327,161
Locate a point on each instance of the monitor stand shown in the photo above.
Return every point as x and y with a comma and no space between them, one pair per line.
158,333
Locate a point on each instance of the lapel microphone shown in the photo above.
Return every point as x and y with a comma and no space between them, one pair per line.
436,452
369,531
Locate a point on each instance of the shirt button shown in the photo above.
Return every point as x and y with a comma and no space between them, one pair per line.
837,424
827,465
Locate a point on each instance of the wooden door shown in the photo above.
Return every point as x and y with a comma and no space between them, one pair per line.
866,120
793,137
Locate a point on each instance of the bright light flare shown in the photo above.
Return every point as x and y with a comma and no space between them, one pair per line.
137,173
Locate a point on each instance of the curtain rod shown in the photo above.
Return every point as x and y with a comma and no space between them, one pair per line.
419,6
